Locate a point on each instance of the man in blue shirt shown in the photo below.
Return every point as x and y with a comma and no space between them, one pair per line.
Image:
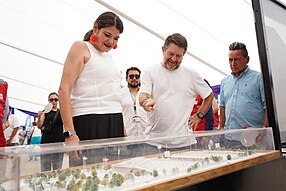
242,100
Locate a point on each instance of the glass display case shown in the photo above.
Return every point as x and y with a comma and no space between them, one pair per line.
135,163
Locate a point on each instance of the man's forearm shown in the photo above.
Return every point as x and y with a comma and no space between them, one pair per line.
265,120
221,117
207,103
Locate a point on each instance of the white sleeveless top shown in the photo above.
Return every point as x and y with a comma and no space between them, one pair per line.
97,88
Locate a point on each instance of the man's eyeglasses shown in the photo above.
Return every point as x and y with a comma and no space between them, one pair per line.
137,76
53,99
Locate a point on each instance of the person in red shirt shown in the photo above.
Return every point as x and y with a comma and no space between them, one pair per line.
3,111
207,122
215,114
202,123
4,123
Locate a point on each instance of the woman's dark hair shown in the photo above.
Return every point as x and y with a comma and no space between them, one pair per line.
104,20
87,35
178,40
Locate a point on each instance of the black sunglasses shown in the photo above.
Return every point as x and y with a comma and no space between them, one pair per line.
53,99
131,76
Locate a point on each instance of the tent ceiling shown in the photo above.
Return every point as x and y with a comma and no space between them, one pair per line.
35,37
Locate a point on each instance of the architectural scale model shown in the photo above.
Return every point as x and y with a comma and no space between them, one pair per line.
131,173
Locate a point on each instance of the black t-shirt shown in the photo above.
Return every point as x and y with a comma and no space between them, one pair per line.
56,134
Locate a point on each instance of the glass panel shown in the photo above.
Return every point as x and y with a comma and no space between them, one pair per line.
129,163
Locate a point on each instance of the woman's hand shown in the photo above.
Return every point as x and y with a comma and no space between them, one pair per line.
73,140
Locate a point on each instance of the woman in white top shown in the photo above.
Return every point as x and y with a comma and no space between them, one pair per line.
90,86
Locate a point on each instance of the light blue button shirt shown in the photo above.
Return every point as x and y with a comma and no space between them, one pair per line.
243,99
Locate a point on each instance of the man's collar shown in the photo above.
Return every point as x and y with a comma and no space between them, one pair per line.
242,73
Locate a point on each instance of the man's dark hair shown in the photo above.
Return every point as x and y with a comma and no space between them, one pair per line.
132,68
178,40
239,46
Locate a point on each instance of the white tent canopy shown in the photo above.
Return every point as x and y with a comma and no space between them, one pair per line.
35,37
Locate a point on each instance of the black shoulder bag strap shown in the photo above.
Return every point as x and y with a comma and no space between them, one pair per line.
55,117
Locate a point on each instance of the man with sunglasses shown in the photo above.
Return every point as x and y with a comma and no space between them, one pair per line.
134,116
169,91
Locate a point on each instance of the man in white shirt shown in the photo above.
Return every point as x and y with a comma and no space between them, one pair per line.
11,135
169,91
11,132
134,116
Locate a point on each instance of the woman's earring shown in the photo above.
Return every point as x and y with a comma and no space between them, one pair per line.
93,38
115,46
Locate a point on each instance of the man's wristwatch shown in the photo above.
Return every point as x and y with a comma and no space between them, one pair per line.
69,133
200,115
